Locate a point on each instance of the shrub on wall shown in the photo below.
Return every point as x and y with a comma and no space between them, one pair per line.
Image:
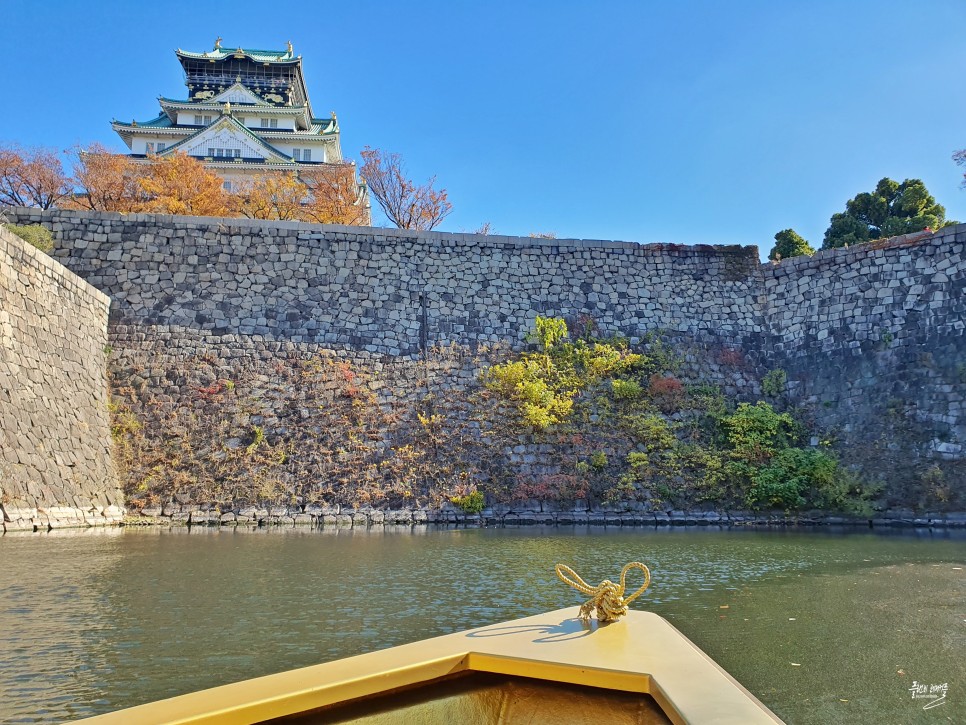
683,443
35,235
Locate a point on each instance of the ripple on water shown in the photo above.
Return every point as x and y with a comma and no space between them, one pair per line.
89,624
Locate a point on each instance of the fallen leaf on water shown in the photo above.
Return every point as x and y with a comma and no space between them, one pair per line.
725,606
791,619
796,664
900,672
841,700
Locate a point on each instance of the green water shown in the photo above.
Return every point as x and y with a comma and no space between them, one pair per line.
822,628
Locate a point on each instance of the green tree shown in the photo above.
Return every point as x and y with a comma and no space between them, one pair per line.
788,244
890,210
960,158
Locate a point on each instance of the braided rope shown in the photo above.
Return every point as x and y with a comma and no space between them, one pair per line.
607,598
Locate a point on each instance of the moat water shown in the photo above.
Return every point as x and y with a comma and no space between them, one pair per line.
823,628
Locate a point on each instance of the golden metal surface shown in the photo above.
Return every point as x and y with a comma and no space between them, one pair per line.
641,653
607,598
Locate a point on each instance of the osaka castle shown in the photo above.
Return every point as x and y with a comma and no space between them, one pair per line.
247,114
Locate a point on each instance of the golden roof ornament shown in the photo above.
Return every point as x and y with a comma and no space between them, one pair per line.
218,43
226,110
290,47
608,598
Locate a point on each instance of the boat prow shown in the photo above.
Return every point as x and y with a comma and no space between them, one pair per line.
554,664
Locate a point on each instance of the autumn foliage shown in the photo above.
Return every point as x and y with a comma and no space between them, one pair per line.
175,184
32,177
324,196
178,184
109,181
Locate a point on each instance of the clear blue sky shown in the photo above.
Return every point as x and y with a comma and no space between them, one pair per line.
687,122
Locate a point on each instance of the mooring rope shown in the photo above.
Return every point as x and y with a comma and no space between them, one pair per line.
607,597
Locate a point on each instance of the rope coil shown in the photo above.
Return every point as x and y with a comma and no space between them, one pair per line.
607,597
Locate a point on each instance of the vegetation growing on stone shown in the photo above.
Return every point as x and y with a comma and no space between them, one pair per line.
677,445
575,417
774,382
470,503
35,235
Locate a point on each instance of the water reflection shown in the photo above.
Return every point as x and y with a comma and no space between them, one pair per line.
95,620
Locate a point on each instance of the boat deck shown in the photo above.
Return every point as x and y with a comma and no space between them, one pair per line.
642,654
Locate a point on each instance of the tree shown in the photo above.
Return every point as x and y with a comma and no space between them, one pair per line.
272,196
960,158
334,196
106,181
892,209
407,205
788,244
32,177
178,184
327,195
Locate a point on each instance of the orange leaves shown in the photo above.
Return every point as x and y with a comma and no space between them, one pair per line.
107,182
176,184
272,196
179,184
32,177
334,196
328,195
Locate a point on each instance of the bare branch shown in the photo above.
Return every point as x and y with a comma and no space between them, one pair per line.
407,205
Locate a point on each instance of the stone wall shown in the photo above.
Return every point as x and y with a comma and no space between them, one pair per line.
390,291
872,342
55,458
871,338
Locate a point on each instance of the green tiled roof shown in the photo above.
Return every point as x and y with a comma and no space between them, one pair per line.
323,125
161,121
266,108
262,56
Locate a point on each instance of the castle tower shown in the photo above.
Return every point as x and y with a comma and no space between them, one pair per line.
247,113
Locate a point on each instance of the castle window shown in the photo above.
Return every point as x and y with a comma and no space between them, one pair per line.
160,146
197,119
226,186
306,154
296,154
149,147
224,153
